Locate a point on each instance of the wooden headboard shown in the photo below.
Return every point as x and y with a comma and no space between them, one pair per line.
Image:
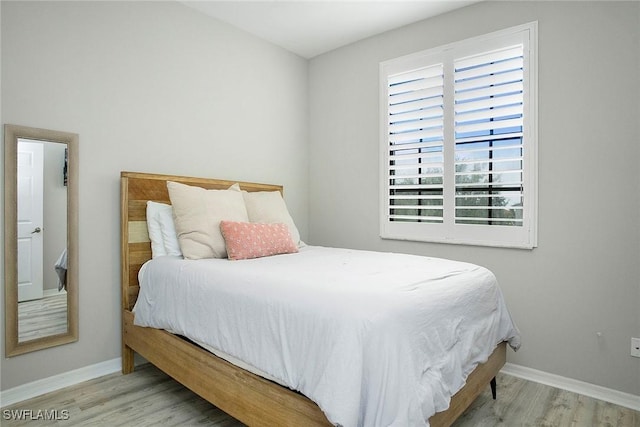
135,190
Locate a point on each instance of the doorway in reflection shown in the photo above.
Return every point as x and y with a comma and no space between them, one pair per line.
42,238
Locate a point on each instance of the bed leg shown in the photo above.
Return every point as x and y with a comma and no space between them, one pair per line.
493,387
127,360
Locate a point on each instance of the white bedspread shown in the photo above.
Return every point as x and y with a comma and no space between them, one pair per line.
375,339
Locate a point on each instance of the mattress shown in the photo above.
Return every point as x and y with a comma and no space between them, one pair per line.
375,339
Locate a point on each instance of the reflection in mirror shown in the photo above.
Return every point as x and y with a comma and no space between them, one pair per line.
40,238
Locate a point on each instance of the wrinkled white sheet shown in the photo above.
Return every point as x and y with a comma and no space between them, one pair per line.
375,339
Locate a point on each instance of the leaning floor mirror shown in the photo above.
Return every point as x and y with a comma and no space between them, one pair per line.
40,238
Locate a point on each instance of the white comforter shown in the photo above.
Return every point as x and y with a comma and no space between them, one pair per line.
375,339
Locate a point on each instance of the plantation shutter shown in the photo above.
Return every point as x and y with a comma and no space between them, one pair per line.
458,138
415,144
489,138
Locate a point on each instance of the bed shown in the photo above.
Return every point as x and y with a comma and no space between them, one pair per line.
247,396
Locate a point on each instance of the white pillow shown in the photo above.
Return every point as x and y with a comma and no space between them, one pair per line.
169,235
162,231
269,207
197,214
153,226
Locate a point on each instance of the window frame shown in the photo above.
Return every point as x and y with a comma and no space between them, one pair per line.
525,236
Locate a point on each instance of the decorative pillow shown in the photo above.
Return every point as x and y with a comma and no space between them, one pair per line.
269,207
254,240
198,212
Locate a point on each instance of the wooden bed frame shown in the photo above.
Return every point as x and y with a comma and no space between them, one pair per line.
247,397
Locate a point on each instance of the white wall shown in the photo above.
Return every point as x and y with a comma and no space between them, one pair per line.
584,277
150,87
55,212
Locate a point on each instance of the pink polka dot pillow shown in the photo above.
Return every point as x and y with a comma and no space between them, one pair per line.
246,240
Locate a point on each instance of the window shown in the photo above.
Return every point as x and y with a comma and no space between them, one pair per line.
458,161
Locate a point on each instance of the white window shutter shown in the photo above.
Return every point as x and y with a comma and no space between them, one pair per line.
458,138
415,145
488,129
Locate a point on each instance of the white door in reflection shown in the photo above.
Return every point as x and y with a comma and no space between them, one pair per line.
30,220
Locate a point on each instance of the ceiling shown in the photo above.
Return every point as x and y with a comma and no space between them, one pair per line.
310,28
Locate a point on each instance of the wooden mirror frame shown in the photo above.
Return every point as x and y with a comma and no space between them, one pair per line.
11,134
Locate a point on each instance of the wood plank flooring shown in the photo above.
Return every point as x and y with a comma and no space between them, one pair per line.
42,317
148,397
525,403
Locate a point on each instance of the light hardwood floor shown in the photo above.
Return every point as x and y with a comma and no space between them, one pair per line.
149,398
42,317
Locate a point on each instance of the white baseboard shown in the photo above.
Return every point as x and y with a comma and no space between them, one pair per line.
616,397
56,382
52,292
